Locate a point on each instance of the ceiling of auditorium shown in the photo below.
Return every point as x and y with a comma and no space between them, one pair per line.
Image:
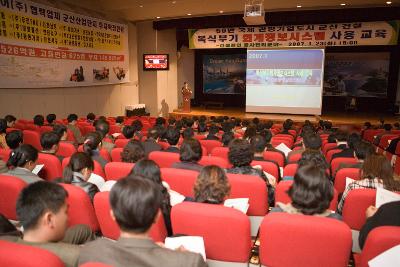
137,10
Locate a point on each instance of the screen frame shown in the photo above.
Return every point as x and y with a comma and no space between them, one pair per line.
155,54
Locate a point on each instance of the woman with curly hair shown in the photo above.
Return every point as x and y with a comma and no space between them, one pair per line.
212,185
132,152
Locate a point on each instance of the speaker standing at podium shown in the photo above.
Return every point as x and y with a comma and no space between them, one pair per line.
186,94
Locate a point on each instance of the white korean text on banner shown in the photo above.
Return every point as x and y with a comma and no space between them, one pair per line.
312,35
41,46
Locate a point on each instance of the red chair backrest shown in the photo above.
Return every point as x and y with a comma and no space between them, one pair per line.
337,161
221,152
355,205
32,138
209,221
97,167
52,167
10,187
110,229
269,167
94,264
121,142
80,210
5,154
328,146
383,143
164,159
114,129
45,129
117,170
32,127
290,170
340,178
164,145
210,145
20,126
378,241
199,136
274,156
9,130
116,154
18,255
88,129
369,134
294,158
211,160
330,153
277,141
70,136
179,180
104,154
66,149
314,241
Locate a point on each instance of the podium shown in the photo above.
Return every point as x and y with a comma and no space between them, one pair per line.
186,95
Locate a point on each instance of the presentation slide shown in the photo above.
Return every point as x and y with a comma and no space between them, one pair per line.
284,81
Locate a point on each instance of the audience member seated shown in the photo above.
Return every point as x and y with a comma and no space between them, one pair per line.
128,132
188,133
387,215
251,131
268,146
72,121
311,156
311,193
387,127
227,137
3,127
362,150
119,121
43,212
171,121
90,118
10,119
202,129
135,203
132,152
149,169
51,119
352,141
311,141
92,146
150,144
341,140
367,126
212,133
326,127
172,135
137,128
287,125
258,144
61,131
21,163
78,172
14,139
49,142
189,155
38,120
103,128
240,155
376,172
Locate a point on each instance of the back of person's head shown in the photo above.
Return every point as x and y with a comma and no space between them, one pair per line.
36,200
92,142
367,124
189,122
132,152
135,202
267,135
77,163
153,133
312,141
188,133
258,143
327,125
212,185
102,127
128,131
227,137
72,117
50,118
353,139
38,120
90,116
137,125
378,166
311,191
190,150
287,124
10,119
48,140
3,126
251,131
227,126
269,124
119,119
213,129
160,121
341,136
387,127
171,121
14,139
202,118
147,168
256,120
60,130
240,153
172,135
202,128
314,157
22,155
363,150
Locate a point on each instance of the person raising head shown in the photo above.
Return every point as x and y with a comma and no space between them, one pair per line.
21,163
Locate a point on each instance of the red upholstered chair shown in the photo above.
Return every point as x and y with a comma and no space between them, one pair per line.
210,145
118,170
109,228
32,127
274,156
383,143
94,264
290,170
97,167
70,136
330,153
164,159
355,205
335,163
277,141
221,152
222,243
88,129
45,129
328,146
114,129
116,154
66,149
211,160
294,158
199,136
52,167
369,134
10,187
181,181
164,145
269,167
20,126
9,130
80,210
378,241
314,241
32,138
5,154
105,155
340,178
18,255
121,142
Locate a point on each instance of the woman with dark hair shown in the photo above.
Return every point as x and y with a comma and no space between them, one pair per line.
240,155
150,170
21,163
311,193
3,127
212,185
251,131
92,146
132,152
190,154
377,172
78,172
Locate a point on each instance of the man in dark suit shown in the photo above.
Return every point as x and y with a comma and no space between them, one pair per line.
151,144
172,135
135,204
348,152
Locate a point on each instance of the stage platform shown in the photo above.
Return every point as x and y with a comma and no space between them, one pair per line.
335,117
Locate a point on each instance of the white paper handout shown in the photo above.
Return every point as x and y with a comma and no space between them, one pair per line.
192,243
282,147
115,135
97,180
384,196
389,258
37,168
175,197
349,181
241,204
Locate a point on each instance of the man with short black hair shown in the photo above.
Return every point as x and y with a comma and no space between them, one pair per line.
103,127
212,133
50,118
38,120
189,155
10,119
72,121
14,139
150,144
135,204
172,135
49,142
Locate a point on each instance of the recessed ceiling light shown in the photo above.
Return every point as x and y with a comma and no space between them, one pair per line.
189,14
221,11
389,2
298,6
141,6
343,4
158,17
173,2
